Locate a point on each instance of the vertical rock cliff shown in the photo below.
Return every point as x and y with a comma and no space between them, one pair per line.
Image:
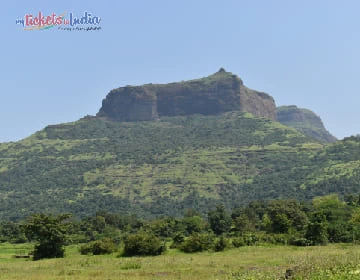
305,121
217,93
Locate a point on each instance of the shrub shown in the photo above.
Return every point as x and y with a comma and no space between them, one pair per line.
48,250
221,244
143,244
250,239
281,239
178,239
98,247
238,242
197,242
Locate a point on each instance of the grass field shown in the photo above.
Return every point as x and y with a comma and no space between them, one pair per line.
329,262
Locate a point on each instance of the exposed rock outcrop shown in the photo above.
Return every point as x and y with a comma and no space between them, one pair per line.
304,121
217,93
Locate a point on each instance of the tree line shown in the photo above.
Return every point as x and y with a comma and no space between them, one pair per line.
287,222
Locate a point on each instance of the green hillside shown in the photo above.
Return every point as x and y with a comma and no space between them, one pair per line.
167,165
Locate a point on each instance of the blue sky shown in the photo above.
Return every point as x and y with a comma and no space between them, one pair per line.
301,52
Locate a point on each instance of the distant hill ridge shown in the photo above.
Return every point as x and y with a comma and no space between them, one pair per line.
304,121
202,142
218,93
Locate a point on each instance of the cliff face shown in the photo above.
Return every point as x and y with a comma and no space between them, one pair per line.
217,93
304,121
130,104
258,103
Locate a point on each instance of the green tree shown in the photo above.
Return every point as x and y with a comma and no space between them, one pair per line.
193,224
317,228
219,220
338,214
11,232
266,222
165,227
355,222
243,224
286,214
50,234
281,223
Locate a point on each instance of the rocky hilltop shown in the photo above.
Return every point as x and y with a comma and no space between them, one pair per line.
305,121
217,93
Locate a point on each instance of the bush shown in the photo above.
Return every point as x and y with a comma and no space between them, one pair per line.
178,239
268,239
143,244
98,247
197,242
238,242
221,244
250,239
48,250
280,239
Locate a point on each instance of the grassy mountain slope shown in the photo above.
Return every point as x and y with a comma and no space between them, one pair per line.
165,166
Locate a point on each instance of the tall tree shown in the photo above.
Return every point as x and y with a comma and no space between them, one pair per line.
316,231
219,220
50,234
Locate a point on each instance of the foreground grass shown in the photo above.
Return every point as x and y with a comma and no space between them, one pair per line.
330,262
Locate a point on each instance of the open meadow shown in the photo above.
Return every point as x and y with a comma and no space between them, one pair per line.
256,262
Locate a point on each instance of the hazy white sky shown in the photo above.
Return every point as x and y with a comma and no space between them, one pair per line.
301,52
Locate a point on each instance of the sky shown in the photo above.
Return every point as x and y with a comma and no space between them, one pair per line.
303,53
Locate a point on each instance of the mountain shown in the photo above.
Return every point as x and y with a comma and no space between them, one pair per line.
217,93
304,121
149,168
163,164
